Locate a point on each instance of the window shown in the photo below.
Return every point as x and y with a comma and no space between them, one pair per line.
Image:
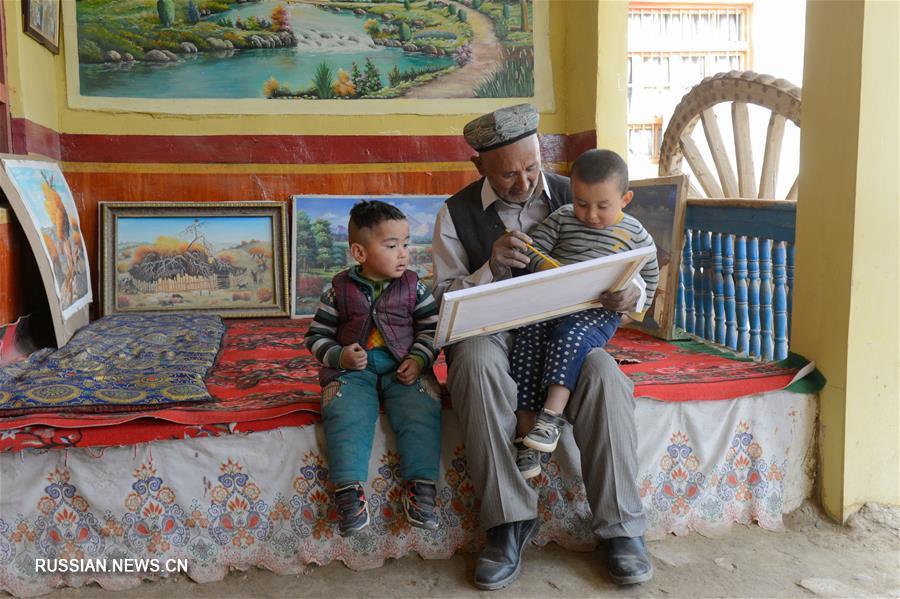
671,48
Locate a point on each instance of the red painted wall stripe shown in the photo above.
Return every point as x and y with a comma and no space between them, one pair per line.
28,136
268,149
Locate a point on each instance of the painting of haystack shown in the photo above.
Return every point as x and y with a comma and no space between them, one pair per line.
51,208
205,263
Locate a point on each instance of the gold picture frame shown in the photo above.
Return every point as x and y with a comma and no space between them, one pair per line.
226,258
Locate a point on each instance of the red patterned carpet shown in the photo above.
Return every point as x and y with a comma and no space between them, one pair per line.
264,378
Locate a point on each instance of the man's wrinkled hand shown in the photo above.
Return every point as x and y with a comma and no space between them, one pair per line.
509,252
621,301
354,357
408,371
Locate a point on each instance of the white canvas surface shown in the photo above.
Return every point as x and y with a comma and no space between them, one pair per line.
534,297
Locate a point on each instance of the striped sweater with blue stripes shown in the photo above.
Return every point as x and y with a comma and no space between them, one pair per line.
568,240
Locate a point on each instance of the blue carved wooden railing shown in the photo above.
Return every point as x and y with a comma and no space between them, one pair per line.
737,275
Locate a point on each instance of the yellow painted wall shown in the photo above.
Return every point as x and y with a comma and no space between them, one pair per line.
38,81
845,307
612,76
871,460
34,91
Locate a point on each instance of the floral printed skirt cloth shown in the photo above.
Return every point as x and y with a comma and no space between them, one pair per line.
265,500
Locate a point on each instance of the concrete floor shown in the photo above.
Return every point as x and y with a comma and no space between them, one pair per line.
813,557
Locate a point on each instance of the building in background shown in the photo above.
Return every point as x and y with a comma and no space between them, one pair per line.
672,46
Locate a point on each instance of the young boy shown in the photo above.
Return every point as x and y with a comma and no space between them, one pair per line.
373,332
547,356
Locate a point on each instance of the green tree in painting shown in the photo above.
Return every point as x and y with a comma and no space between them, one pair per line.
324,243
193,13
506,11
394,76
461,15
166,11
323,80
305,241
372,77
407,5
281,18
405,33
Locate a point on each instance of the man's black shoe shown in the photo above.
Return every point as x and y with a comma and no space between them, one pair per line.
628,560
500,561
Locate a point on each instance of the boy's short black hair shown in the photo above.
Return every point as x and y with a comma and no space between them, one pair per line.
368,214
596,166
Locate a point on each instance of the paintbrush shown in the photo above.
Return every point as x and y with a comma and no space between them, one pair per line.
540,254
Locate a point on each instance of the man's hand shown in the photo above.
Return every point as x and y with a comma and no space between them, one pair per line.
621,301
354,357
509,252
408,371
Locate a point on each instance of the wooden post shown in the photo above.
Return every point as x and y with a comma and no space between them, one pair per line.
753,299
791,251
687,277
740,292
728,275
779,300
696,249
765,299
718,288
709,326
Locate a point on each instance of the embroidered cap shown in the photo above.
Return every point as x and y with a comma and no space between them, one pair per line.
501,127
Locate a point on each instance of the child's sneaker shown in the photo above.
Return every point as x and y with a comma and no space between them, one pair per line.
352,509
545,434
419,504
528,460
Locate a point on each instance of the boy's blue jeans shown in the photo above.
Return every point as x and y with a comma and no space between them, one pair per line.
350,410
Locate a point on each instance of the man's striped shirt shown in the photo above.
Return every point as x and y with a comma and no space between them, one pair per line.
568,240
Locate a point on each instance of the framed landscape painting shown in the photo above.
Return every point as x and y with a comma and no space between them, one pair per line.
321,248
41,19
43,204
306,57
659,204
227,258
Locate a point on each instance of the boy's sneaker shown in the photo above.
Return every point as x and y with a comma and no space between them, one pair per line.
545,434
352,508
419,504
528,460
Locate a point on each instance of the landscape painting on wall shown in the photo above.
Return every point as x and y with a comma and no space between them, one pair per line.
304,50
321,248
44,206
228,259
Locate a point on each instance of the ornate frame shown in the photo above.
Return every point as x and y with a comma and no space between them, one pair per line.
277,211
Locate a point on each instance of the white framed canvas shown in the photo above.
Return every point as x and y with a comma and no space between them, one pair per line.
43,203
535,297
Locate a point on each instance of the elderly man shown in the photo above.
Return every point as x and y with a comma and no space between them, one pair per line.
470,248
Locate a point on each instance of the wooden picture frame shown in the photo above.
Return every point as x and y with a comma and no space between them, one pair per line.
534,297
659,204
227,258
326,216
41,19
45,208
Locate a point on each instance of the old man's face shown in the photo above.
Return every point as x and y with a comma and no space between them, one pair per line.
513,171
